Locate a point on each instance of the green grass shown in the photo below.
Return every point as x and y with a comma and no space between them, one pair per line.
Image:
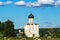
21,38
13,38
16,38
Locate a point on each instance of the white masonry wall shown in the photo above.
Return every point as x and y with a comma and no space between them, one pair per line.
31,20
31,30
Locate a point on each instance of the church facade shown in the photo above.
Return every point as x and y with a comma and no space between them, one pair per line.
31,29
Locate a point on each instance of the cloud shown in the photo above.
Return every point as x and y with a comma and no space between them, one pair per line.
47,25
20,3
35,4
1,3
45,1
38,3
5,3
57,3
30,4
8,2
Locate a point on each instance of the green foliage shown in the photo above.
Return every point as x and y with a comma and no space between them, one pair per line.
1,27
53,32
9,29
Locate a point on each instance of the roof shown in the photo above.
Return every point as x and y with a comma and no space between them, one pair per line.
32,24
31,16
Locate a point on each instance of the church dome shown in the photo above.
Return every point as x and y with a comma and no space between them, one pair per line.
31,16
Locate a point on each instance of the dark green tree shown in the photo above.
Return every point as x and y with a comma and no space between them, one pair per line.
1,27
9,29
58,33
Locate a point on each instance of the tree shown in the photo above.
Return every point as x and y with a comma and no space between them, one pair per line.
58,33
9,29
1,27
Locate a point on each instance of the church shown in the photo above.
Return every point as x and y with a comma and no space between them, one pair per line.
31,29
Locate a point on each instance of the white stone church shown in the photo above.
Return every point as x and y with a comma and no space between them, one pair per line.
31,29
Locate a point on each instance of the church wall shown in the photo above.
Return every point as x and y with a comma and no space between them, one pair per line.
31,20
31,29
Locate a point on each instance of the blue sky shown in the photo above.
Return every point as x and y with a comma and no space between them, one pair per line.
47,16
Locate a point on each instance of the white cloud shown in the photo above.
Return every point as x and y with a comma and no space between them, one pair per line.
38,3
35,4
5,3
47,26
8,2
30,4
45,1
57,3
20,3
1,3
